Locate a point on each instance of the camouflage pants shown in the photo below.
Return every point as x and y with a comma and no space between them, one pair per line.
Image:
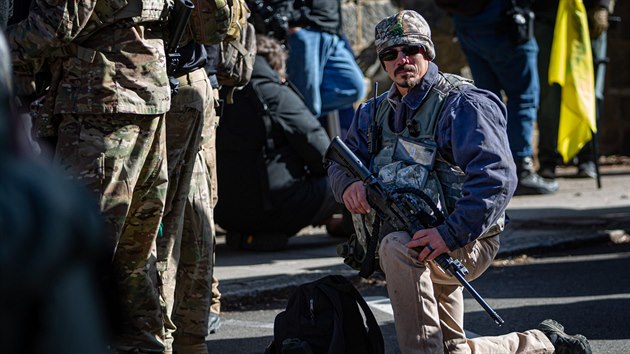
122,159
215,306
186,248
208,149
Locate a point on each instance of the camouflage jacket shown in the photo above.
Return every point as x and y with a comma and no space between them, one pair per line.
118,68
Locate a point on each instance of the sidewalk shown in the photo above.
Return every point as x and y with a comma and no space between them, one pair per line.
578,213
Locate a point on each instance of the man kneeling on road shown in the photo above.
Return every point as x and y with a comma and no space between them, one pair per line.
471,175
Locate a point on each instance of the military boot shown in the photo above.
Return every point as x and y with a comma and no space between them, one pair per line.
189,344
257,241
529,182
562,342
214,322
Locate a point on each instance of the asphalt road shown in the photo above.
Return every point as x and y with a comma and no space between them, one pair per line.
585,289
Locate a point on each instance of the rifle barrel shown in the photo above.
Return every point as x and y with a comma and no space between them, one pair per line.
489,310
177,24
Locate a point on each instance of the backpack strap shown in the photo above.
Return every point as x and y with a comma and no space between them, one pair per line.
266,116
329,284
369,263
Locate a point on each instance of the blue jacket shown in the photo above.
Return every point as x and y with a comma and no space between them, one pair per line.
471,134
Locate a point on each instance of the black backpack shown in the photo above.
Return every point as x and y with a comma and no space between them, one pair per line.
323,317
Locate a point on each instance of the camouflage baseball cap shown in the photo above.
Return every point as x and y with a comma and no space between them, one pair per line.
405,28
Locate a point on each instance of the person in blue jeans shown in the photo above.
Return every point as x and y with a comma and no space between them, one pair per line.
321,63
498,64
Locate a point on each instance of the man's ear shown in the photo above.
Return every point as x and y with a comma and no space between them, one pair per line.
424,54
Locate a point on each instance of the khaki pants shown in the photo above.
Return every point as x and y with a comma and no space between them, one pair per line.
429,304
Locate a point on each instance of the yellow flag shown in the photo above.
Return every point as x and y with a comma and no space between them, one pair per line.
571,66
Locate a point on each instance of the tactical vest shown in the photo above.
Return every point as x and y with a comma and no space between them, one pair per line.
434,177
441,175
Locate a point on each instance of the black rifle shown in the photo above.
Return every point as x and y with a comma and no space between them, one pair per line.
177,24
400,213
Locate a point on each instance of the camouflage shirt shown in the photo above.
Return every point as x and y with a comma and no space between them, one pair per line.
120,68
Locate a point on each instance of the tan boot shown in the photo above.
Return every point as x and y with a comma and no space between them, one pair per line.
187,344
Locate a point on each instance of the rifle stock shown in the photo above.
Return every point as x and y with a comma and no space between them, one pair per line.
394,209
177,24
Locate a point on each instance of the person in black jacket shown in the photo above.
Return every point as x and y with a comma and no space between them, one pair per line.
271,179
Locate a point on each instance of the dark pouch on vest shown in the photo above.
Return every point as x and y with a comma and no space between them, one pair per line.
415,152
519,23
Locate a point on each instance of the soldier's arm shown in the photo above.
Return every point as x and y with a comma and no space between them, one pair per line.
24,80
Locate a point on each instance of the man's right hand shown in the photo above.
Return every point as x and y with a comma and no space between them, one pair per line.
294,29
355,199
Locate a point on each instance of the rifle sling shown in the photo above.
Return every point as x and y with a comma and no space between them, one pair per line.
368,266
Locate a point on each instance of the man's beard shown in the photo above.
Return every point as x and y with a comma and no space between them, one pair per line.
411,78
409,82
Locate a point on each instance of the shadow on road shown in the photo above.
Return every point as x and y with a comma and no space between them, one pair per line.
586,287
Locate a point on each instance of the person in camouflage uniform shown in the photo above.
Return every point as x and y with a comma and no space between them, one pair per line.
185,252
195,290
208,149
109,93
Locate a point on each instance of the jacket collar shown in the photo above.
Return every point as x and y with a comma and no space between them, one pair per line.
262,70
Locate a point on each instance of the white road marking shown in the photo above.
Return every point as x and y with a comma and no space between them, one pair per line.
380,303
383,304
247,324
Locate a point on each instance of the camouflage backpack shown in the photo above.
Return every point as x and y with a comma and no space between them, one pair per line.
216,21
210,21
237,50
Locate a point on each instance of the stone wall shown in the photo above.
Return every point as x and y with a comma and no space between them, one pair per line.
360,17
615,120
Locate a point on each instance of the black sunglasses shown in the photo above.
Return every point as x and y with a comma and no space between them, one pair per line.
392,54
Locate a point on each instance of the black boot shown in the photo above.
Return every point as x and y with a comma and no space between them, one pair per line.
562,342
547,171
587,169
256,241
529,182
